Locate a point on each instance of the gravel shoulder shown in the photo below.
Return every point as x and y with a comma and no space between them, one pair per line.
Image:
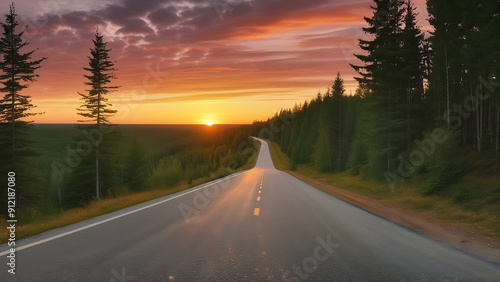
453,234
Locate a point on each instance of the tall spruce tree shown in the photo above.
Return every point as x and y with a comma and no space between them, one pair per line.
325,156
96,108
338,92
101,68
382,74
17,71
413,70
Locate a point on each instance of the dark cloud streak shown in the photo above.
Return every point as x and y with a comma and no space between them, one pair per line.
188,39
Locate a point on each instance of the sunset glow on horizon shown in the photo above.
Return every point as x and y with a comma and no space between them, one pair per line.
193,62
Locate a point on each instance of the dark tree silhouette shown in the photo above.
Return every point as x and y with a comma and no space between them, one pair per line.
18,69
95,108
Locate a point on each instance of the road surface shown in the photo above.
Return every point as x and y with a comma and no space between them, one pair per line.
258,225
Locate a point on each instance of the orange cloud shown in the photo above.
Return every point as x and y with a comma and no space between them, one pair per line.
180,56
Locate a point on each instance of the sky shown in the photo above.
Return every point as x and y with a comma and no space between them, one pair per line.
194,62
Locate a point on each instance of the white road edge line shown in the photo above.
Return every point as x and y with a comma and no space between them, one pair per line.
118,216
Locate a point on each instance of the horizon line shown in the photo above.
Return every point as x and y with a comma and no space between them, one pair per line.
68,123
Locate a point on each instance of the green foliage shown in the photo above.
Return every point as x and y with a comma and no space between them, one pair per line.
441,168
31,198
324,158
330,152
17,70
464,47
102,145
101,68
135,171
393,75
319,132
168,172
357,158
134,158
80,186
405,82
306,135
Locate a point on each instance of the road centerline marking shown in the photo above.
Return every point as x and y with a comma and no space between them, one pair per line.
256,212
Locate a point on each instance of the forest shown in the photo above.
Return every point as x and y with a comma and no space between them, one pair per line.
427,108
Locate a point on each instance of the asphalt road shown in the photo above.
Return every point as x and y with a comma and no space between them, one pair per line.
259,225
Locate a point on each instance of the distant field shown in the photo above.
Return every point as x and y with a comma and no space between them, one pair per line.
51,140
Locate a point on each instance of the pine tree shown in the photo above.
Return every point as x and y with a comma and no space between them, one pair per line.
101,68
325,154
95,108
338,92
447,41
18,69
383,74
412,62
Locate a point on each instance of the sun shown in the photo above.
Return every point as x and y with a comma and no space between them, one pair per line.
209,123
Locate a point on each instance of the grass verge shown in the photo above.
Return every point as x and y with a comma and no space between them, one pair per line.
107,205
472,216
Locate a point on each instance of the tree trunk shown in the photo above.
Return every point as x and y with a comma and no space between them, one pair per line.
97,180
408,118
340,133
477,146
59,193
327,146
13,121
479,113
447,87
481,122
97,188
389,135
498,125
13,133
489,121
